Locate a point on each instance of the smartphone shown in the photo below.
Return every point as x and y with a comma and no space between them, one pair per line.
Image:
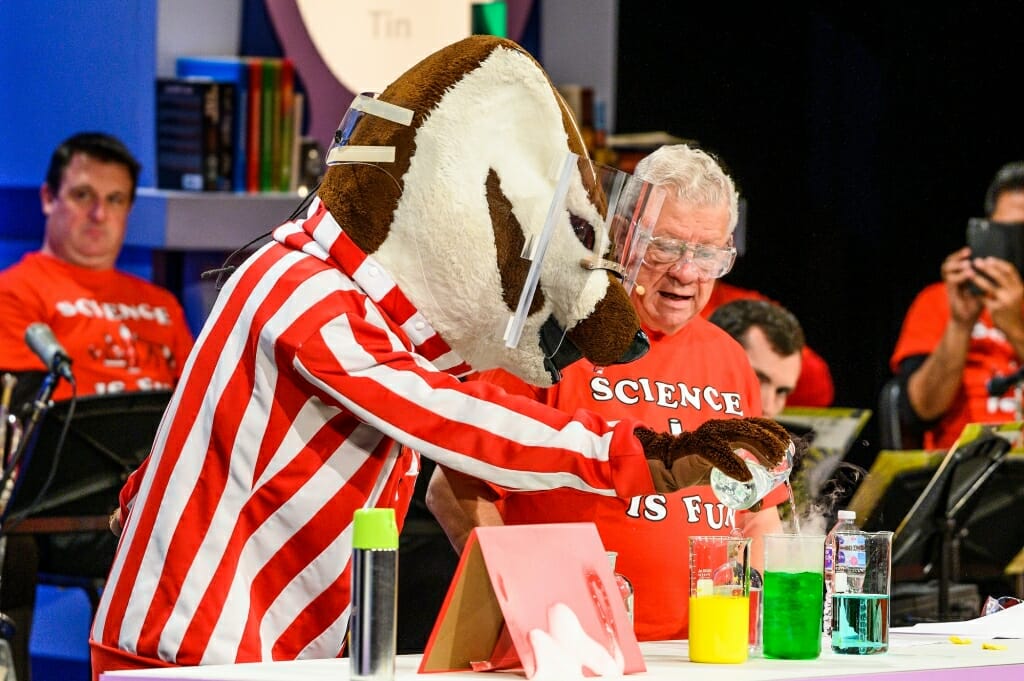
1004,240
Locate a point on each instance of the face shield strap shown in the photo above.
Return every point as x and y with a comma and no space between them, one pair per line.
613,268
365,103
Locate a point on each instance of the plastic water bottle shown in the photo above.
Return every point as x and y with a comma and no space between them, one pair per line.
844,524
743,495
851,559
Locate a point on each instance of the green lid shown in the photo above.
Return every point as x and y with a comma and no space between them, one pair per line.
375,528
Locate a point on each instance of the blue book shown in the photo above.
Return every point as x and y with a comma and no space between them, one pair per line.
234,70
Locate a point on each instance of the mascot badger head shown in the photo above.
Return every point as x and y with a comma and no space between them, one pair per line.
471,183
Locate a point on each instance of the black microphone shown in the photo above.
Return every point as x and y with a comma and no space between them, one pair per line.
998,385
41,340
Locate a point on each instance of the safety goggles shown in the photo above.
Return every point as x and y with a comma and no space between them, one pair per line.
664,253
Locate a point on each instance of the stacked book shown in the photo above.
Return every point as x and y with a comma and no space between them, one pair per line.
229,124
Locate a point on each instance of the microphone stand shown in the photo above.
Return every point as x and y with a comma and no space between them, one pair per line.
957,514
40,405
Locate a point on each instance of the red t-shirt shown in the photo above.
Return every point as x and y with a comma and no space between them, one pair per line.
700,373
814,388
988,354
123,333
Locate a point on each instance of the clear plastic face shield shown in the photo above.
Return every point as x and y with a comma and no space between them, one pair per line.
607,212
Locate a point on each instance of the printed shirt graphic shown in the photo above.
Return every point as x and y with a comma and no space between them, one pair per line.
988,354
237,544
123,334
702,374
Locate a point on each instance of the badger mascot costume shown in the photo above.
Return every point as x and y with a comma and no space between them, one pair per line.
345,337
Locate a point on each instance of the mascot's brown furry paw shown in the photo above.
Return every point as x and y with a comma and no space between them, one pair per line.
678,461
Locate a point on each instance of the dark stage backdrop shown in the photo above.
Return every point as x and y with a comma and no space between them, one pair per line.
863,135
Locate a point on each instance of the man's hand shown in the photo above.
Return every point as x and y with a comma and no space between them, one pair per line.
115,522
957,273
678,461
1003,294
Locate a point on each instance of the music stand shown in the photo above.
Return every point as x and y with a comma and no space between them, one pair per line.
886,496
107,439
834,431
930,535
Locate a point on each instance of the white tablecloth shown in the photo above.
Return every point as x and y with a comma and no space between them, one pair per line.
667,661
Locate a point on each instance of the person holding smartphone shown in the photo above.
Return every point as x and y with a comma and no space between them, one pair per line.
962,332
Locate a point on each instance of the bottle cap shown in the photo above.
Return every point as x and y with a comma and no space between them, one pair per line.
374,528
847,515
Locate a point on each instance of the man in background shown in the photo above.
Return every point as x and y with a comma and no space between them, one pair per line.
814,387
773,340
122,333
961,332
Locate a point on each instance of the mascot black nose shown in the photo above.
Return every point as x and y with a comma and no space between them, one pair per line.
637,349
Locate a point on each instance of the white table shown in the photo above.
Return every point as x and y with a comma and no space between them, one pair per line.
910,658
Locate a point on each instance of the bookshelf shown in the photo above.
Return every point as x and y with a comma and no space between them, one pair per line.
204,221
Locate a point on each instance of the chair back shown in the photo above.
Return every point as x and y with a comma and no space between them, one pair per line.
893,431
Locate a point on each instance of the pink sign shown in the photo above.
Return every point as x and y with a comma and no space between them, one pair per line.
540,598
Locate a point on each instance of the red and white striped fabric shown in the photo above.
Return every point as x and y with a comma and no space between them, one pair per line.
312,365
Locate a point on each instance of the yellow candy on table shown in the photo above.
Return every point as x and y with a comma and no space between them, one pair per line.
992,646
959,641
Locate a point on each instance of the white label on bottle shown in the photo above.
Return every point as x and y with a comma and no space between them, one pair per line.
841,585
851,551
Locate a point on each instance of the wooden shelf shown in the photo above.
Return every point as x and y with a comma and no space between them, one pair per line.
204,221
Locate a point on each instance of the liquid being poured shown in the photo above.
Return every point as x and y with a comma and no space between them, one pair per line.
792,510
